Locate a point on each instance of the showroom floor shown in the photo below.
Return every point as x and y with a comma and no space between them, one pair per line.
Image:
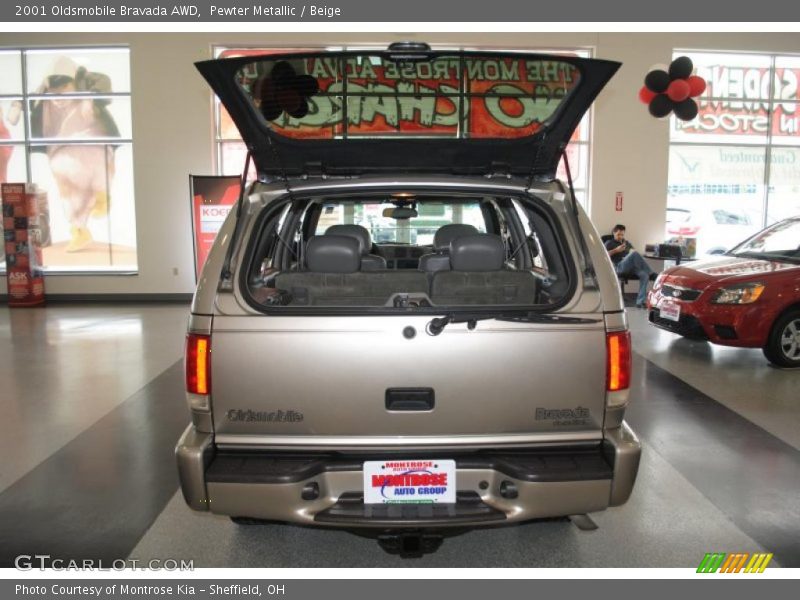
92,406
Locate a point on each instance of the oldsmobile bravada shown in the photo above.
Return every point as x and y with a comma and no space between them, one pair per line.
408,323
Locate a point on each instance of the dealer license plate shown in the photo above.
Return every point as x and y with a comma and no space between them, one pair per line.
410,481
670,310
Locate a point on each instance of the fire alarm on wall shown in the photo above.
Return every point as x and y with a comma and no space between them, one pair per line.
618,203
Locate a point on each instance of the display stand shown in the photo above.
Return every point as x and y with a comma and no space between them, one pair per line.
22,237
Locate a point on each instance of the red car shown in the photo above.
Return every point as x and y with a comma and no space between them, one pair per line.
748,297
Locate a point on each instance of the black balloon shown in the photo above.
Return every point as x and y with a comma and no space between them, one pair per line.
299,112
686,110
285,91
660,106
282,71
680,68
306,85
271,110
657,81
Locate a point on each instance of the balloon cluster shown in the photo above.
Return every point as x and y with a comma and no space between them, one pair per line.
672,88
285,90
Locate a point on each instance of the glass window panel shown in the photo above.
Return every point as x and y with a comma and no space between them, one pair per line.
786,124
787,77
716,195
734,107
581,133
231,155
734,76
505,97
97,70
90,206
786,119
784,184
13,168
226,129
724,184
716,123
12,120
231,160
77,118
11,68
87,189
417,230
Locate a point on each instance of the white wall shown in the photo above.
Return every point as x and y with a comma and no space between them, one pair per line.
172,134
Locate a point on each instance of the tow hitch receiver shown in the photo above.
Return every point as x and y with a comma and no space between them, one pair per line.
410,544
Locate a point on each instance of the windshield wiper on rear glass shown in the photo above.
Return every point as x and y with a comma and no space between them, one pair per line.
437,325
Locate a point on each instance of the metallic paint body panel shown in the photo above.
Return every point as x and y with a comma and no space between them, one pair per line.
335,370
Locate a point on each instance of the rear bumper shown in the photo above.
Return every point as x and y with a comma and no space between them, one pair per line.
326,490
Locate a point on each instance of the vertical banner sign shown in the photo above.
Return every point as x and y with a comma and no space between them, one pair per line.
212,199
618,202
22,240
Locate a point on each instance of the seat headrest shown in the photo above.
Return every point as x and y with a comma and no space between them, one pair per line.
354,231
479,252
447,233
333,254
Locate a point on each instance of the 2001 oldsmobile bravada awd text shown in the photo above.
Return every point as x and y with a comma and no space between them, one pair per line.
407,324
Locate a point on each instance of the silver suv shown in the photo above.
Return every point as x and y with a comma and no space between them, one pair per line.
408,324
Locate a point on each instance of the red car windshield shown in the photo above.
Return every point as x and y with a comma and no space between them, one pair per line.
778,242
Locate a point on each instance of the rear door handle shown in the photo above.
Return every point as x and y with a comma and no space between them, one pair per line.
410,399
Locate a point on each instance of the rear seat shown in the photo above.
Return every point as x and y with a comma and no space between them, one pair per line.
477,275
334,279
439,260
369,262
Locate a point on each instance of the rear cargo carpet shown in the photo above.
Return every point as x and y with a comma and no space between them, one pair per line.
749,474
97,495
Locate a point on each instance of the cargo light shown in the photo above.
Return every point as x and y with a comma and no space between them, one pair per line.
198,364
618,361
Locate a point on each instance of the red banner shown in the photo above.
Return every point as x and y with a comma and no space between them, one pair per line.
21,235
212,200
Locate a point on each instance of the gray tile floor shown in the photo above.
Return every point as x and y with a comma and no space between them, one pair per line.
739,378
66,367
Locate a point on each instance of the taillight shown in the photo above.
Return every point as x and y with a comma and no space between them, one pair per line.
618,361
198,363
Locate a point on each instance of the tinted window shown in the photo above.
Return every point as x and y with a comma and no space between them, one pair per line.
370,95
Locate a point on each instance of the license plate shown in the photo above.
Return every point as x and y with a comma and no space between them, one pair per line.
670,310
410,482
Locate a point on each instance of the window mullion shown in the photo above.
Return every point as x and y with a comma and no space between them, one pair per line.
26,125
768,148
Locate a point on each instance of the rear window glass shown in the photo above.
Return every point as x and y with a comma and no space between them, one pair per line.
420,253
327,97
418,230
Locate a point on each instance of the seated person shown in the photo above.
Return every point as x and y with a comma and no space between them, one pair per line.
627,261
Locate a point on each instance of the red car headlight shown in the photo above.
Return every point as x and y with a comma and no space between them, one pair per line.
746,293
